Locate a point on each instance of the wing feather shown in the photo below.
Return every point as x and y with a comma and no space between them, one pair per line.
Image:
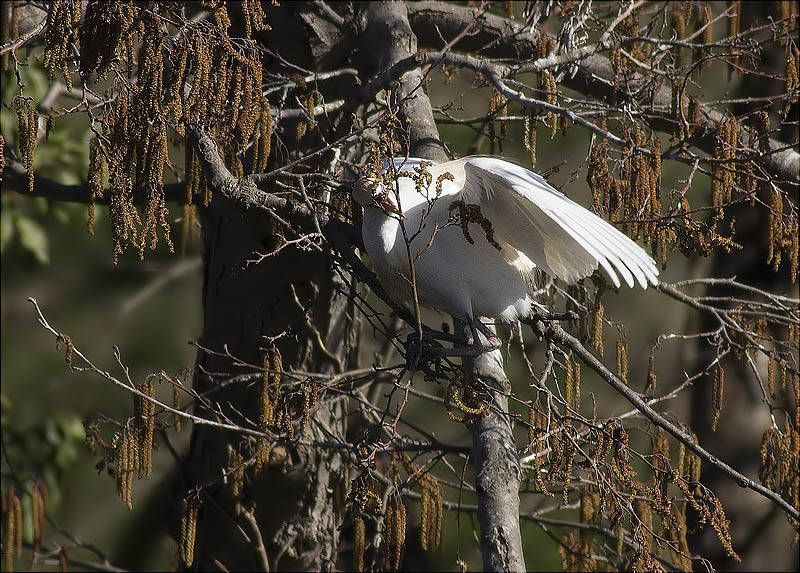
637,260
569,241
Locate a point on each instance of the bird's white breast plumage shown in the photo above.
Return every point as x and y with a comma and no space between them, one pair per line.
533,223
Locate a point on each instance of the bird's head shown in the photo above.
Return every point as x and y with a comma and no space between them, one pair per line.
370,192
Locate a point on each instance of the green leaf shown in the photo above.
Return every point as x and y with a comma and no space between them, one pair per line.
33,238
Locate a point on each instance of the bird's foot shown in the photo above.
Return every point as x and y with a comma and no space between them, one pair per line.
493,342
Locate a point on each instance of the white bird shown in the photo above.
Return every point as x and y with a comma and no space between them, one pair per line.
532,225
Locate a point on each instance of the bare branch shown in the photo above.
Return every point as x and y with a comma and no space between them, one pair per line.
555,333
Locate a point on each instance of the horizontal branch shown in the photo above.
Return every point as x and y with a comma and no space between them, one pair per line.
15,178
497,37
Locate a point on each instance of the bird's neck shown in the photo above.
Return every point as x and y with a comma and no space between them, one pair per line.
380,230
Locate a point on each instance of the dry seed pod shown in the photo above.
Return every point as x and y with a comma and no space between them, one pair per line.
734,23
394,532
717,393
431,514
188,529
597,327
622,359
39,510
235,478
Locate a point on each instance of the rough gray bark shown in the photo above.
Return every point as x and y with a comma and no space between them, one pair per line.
243,305
497,472
388,38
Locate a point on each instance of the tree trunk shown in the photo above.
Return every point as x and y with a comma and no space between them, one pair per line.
245,307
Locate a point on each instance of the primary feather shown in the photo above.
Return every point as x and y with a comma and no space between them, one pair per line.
533,224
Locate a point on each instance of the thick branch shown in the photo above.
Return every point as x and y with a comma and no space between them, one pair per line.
389,39
499,37
15,178
497,473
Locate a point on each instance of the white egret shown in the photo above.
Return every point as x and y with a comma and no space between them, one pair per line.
525,224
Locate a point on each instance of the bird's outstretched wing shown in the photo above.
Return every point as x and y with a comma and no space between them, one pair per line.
557,234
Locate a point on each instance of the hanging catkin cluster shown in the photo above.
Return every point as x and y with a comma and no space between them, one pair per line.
572,384
636,195
547,81
98,175
431,504
460,395
637,50
144,415
431,513
253,17
269,395
394,524
235,478
598,175
591,514
640,197
106,35
198,75
680,17
133,446
12,528
225,95
188,529
701,55
28,124
780,457
127,460
734,23
724,171
783,234
60,35
38,513
498,105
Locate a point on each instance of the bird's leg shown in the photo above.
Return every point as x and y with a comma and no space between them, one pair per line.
492,341
437,335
